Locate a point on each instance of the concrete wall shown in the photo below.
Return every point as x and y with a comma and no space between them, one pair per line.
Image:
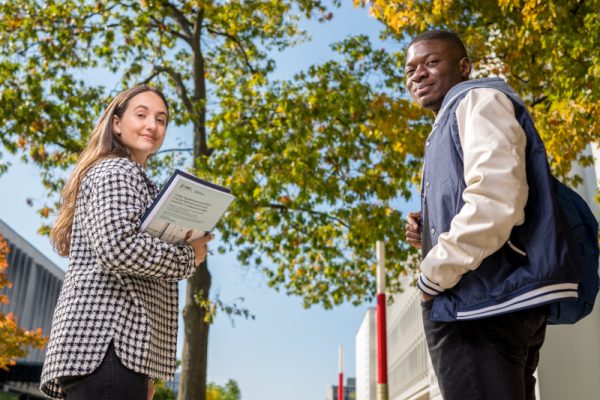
570,360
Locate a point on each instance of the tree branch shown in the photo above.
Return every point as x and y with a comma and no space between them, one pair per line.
575,9
158,24
198,24
520,79
234,39
174,150
108,9
313,212
538,101
153,75
181,89
180,18
199,76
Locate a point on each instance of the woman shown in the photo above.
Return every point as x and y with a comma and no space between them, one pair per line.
115,323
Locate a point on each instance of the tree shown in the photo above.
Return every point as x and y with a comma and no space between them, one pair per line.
322,160
547,50
318,162
14,341
230,391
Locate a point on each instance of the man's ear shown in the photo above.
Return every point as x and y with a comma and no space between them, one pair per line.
465,68
116,125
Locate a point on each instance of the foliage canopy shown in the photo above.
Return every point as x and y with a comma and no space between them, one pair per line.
229,391
547,50
319,162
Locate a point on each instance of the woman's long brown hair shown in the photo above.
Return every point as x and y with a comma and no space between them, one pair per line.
103,143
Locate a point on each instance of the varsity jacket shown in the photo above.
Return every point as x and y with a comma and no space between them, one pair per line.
492,236
121,285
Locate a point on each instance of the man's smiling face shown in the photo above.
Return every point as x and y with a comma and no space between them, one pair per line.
433,67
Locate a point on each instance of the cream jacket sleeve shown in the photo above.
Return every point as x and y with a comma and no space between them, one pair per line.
496,190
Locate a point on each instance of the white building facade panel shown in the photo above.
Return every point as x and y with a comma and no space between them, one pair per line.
366,357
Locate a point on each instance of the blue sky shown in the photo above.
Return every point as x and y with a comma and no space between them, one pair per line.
287,351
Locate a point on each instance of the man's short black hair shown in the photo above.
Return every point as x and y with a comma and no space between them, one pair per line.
443,36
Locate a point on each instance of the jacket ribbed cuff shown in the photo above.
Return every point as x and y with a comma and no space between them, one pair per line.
432,289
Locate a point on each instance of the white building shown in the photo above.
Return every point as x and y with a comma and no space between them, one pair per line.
410,374
366,357
36,285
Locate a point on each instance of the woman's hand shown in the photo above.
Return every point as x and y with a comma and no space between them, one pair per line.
150,389
413,229
200,249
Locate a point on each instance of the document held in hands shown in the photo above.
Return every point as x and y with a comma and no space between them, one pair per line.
186,208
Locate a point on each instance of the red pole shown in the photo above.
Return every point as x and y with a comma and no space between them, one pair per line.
382,376
381,340
341,374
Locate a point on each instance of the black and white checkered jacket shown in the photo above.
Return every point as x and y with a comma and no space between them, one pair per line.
121,284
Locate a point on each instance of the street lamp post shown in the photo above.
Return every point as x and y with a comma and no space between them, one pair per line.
382,387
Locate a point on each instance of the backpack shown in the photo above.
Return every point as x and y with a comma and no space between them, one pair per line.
582,228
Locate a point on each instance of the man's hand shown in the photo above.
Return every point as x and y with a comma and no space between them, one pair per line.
413,229
200,249
426,297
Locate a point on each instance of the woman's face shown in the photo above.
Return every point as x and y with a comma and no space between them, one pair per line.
143,125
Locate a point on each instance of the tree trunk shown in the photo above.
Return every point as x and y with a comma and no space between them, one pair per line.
194,360
192,385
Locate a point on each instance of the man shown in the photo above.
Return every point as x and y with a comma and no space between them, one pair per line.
492,250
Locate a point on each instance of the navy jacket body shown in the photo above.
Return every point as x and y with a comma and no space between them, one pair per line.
506,281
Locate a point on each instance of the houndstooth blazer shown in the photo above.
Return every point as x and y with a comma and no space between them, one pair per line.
121,284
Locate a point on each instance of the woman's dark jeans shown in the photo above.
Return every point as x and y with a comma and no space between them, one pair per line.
488,359
110,381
